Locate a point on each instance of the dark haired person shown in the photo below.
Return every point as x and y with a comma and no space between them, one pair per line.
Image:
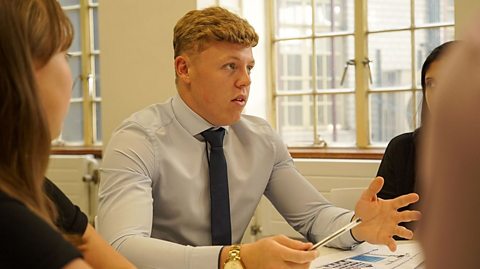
398,166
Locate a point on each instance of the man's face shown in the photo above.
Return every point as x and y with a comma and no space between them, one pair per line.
218,82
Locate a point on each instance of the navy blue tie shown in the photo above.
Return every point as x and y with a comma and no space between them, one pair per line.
219,198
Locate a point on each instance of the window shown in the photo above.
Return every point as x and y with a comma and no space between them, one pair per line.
347,73
83,123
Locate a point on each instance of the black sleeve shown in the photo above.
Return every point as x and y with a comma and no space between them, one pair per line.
396,168
29,242
386,171
70,218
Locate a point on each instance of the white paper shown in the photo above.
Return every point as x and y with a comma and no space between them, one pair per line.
407,256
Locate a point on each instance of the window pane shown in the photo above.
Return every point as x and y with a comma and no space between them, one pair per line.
98,89
294,64
74,16
293,18
390,115
76,68
98,123
434,11
336,119
294,118
426,41
391,56
69,2
95,29
334,16
388,14
332,55
73,125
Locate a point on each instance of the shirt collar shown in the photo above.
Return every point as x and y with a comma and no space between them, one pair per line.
190,121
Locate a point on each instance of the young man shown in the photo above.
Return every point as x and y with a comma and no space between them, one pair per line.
181,180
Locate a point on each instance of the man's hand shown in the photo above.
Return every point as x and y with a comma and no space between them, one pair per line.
277,252
380,218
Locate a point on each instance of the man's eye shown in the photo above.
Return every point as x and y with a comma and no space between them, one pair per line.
231,66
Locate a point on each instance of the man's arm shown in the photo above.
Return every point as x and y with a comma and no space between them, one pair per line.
304,208
125,212
309,213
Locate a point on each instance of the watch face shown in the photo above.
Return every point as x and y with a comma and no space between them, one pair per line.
233,265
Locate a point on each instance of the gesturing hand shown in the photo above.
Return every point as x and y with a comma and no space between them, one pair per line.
380,218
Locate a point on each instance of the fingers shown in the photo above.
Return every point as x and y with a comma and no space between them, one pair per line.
403,232
405,200
298,256
291,265
295,251
370,194
408,215
391,244
293,244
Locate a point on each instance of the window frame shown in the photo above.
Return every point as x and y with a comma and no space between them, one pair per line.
89,101
362,89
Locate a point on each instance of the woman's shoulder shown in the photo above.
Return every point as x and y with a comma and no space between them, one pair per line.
28,241
402,139
70,218
7,201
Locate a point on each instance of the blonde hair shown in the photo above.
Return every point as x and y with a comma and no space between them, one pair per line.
198,27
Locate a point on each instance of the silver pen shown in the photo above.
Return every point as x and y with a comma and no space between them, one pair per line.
336,234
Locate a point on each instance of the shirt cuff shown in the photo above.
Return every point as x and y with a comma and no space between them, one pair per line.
204,257
346,240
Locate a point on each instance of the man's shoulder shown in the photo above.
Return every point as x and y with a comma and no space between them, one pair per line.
254,123
151,117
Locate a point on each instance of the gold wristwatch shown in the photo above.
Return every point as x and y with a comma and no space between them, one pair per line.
234,260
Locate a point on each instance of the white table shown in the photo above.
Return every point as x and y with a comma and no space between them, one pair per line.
407,256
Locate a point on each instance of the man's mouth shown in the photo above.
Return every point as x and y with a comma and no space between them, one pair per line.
240,100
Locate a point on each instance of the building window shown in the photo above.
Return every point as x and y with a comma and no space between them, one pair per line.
347,73
83,123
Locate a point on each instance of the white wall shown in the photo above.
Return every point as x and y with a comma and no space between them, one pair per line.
258,102
136,55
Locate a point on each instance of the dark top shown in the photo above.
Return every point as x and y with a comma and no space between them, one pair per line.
26,241
398,168
70,218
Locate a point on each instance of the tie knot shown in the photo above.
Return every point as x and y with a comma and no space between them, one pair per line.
214,137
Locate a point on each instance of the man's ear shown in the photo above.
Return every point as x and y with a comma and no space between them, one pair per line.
182,68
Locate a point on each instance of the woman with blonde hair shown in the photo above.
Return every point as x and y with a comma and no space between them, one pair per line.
39,226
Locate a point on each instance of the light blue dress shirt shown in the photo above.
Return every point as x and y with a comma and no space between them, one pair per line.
154,202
